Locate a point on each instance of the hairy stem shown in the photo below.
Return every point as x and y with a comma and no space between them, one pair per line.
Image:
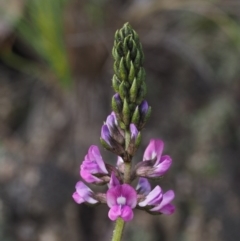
118,231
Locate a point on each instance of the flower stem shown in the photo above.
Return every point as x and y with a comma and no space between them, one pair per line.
127,163
127,172
118,231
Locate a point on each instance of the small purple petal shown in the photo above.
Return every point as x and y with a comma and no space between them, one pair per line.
77,198
113,181
130,194
127,213
105,134
133,131
162,166
88,177
153,150
92,164
112,195
153,198
168,209
83,192
114,212
167,198
111,121
143,186
96,154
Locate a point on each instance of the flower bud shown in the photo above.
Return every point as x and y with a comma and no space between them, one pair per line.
145,112
117,104
115,131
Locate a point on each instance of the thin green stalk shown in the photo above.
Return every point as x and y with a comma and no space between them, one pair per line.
127,172
127,163
118,231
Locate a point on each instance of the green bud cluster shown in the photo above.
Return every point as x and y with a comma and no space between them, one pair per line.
129,75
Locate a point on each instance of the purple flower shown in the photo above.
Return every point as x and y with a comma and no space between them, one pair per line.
92,166
83,194
113,135
121,199
154,165
105,134
143,186
165,207
156,201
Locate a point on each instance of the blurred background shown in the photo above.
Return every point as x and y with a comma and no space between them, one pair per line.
55,92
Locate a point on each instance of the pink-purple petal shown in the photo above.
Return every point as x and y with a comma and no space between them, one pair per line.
163,165
126,213
153,150
153,198
88,177
112,195
130,194
167,198
77,198
114,212
84,192
105,134
113,181
168,209
98,158
93,164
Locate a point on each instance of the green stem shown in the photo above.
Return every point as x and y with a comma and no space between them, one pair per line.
127,172
127,163
118,231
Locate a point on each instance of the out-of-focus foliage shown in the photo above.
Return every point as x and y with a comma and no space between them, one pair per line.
43,29
192,64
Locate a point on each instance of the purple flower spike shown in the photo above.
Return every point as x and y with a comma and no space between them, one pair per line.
83,194
92,165
153,198
113,181
133,131
105,134
165,207
143,186
121,199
